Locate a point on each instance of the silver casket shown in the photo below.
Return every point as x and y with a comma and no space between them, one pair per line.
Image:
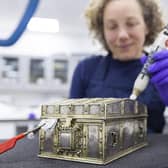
95,130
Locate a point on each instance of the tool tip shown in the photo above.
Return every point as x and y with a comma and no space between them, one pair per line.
133,97
30,135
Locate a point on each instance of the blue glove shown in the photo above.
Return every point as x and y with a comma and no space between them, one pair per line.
159,73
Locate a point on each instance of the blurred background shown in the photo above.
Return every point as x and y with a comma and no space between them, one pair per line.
38,68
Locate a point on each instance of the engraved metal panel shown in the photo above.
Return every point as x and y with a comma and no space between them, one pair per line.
50,109
65,139
140,130
65,109
128,133
114,108
69,139
94,109
78,109
113,139
93,141
141,109
48,142
129,107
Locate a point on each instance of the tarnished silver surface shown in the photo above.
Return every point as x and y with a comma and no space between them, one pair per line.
97,130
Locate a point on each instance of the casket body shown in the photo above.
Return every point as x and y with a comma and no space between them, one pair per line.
97,130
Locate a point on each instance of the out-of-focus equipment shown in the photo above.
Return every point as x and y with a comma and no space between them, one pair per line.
30,10
142,80
95,130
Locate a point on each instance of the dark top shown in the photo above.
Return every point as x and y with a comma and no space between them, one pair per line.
102,76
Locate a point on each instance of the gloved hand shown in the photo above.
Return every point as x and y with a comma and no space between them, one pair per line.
159,73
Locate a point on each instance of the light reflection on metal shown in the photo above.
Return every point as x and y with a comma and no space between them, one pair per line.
103,130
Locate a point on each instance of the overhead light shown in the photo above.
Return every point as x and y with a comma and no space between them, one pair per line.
44,25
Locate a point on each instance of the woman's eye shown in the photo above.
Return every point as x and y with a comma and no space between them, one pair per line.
111,27
132,24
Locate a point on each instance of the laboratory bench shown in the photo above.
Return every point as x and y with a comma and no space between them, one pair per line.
24,155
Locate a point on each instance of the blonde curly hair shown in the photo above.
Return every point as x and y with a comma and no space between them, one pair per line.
151,13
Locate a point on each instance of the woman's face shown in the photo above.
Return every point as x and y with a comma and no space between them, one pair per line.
124,29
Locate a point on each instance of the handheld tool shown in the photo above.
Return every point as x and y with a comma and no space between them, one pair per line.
47,124
142,79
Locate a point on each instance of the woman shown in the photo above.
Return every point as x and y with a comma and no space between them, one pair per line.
123,28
